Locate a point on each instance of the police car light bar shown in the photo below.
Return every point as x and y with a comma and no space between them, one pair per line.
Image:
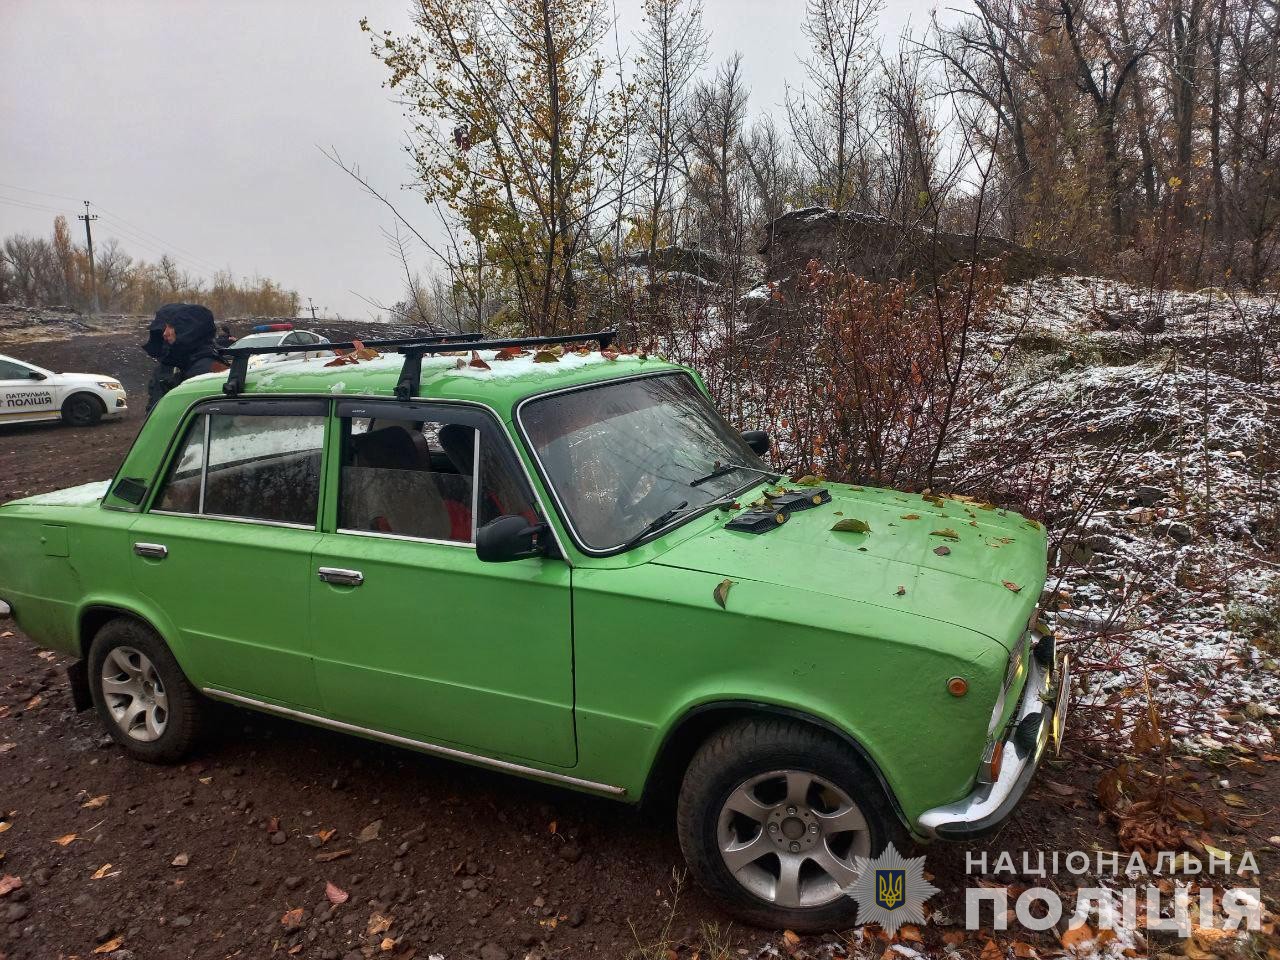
271,327
413,349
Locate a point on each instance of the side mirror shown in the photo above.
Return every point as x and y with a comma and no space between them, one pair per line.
36,375
511,538
758,441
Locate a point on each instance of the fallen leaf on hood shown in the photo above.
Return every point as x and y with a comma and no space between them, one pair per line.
721,592
66,839
110,946
910,516
901,591
477,363
808,480
335,894
1011,585
610,354
370,832
330,855
95,802
942,551
546,356
508,353
852,525
8,884
945,532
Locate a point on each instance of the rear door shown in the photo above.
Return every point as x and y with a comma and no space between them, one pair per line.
224,549
25,393
413,633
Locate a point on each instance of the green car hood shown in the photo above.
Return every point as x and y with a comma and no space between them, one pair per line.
897,564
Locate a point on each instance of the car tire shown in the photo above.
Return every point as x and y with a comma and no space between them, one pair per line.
844,814
82,410
141,694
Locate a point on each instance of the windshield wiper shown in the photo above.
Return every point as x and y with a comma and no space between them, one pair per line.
667,516
729,468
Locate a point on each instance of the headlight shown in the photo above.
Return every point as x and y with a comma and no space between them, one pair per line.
108,385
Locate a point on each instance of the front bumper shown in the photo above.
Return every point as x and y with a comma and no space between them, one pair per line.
116,402
1040,718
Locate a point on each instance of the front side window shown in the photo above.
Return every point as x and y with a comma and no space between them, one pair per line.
13,371
430,474
622,454
248,463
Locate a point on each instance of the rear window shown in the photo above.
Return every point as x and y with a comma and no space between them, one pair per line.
250,466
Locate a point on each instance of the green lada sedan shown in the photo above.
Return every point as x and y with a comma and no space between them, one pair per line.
565,565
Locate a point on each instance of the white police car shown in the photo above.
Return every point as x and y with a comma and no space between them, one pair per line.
283,335
29,393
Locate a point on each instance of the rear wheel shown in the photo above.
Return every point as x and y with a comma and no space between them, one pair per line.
82,410
773,815
141,694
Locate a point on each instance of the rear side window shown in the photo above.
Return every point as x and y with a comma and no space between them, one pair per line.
436,478
248,465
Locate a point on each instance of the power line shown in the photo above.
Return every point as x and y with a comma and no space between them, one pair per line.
88,219
42,193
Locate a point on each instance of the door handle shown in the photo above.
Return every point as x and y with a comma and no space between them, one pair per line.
346,578
156,551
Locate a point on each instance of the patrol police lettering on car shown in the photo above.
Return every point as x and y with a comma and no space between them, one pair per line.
29,399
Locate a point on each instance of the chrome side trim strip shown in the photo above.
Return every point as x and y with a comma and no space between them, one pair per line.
424,747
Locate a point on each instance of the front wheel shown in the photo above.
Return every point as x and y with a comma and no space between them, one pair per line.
82,410
772,817
141,694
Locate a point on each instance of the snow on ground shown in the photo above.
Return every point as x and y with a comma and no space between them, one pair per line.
1167,462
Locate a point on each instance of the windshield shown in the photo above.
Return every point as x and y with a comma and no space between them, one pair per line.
622,454
260,340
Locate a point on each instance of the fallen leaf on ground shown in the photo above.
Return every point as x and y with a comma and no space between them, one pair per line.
104,871
66,839
335,894
387,945
378,924
181,860
721,592
1061,789
330,855
370,832
8,884
95,802
910,933
273,824
5,825
324,836
1023,951
6,747
34,702
110,946
1234,800
1074,936
291,918
992,951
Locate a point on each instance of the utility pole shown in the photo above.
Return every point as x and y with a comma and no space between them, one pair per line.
313,309
87,217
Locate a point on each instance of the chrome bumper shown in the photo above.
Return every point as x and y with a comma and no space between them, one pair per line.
990,804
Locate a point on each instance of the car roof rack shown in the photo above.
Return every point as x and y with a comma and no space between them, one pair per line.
413,349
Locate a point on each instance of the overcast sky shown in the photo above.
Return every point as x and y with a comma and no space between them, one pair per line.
195,127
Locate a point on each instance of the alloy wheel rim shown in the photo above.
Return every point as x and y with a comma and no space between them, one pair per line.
792,838
134,694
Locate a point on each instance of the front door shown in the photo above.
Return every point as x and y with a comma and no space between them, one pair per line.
224,550
25,394
413,634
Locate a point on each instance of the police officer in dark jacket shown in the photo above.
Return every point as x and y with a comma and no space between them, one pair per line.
181,341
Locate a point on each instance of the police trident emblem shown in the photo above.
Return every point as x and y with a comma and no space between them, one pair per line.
890,890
